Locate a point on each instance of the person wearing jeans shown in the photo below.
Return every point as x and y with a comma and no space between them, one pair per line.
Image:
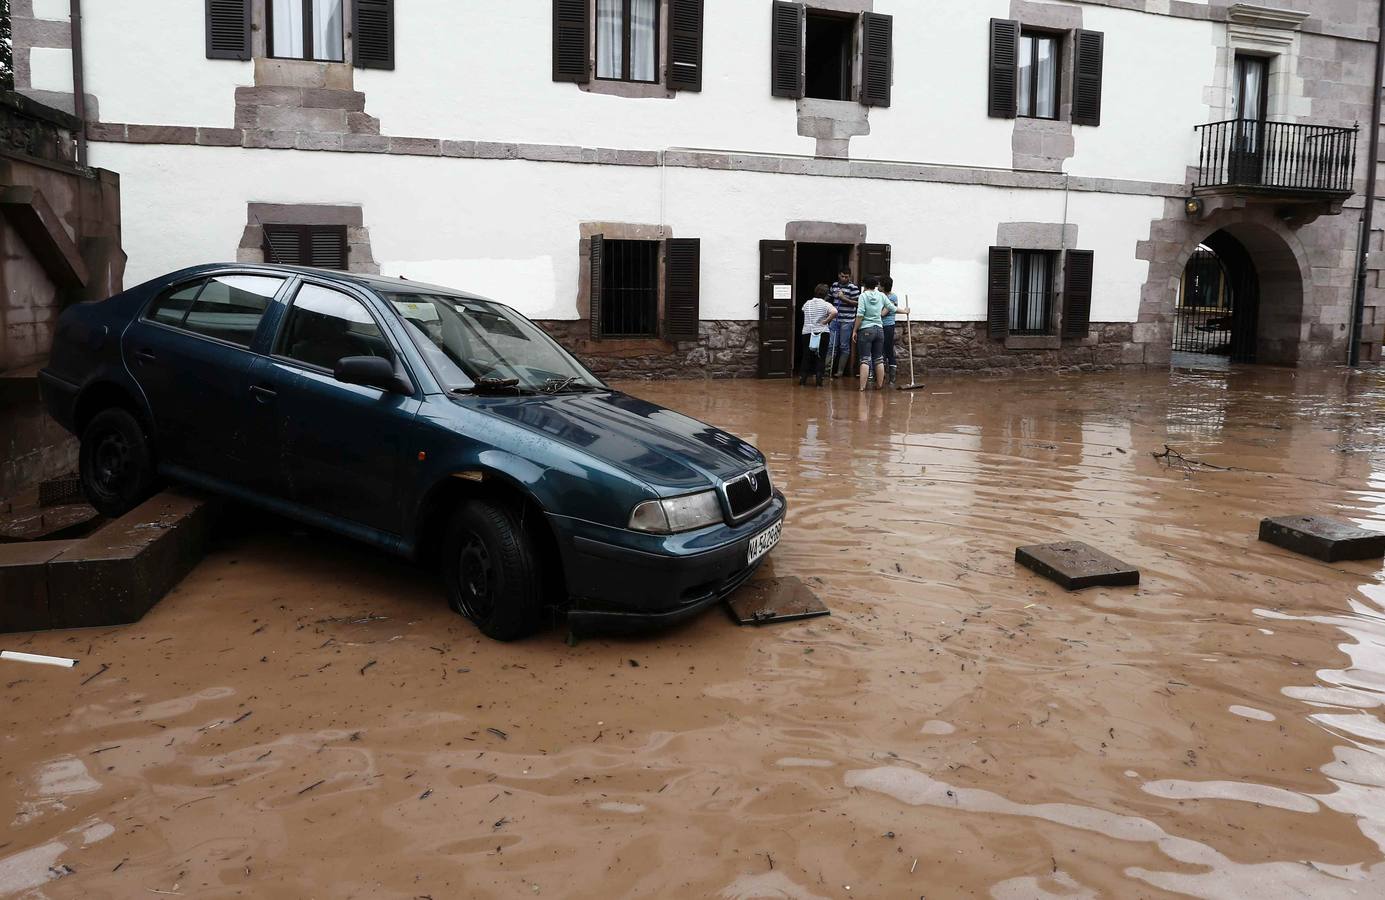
869,333
891,359
844,296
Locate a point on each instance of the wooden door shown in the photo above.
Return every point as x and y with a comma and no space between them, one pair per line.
776,309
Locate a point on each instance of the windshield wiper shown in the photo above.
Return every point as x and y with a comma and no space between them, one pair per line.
558,385
494,386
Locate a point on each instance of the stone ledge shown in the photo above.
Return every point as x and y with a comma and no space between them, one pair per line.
361,136
112,577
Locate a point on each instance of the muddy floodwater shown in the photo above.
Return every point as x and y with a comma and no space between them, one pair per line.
304,718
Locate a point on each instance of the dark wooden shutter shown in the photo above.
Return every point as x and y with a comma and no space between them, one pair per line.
786,50
998,292
877,58
283,245
872,259
777,317
682,288
319,246
326,247
1001,98
372,34
1089,50
570,36
228,29
684,45
595,282
1077,293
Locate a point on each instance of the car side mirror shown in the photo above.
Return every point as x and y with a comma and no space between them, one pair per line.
371,371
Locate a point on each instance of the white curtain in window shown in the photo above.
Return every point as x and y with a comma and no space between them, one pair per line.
610,38
327,42
644,41
288,28
1046,103
1026,77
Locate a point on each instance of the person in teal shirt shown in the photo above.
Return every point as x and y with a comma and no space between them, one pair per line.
891,358
869,333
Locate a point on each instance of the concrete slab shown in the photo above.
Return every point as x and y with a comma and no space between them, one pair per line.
117,574
775,600
1076,565
1322,538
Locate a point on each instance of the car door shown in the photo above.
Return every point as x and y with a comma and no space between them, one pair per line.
190,352
339,447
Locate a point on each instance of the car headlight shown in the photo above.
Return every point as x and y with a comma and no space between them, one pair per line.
677,514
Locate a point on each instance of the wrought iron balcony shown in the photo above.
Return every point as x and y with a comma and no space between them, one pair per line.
1283,159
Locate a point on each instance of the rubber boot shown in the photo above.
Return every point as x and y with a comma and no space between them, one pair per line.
892,373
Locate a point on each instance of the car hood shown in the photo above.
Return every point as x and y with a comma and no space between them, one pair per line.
669,451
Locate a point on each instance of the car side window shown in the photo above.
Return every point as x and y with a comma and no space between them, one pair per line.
325,326
226,307
173,307
230,307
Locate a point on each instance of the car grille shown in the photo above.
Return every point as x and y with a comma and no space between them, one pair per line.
748,493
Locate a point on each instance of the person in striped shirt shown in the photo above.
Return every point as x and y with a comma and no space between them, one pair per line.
844,296
817,322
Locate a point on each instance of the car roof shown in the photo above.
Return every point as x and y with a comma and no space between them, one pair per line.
374,282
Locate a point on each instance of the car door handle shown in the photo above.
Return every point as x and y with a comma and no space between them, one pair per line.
146,355
263,393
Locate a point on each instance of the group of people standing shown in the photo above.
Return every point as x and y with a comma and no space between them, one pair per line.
841,316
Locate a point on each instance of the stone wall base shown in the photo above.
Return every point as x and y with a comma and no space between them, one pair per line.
730,349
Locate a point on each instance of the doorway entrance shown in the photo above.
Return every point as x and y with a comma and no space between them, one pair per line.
1218,302
814,264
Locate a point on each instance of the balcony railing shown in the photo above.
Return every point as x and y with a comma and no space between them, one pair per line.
1277,157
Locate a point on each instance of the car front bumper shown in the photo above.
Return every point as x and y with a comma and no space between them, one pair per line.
621,581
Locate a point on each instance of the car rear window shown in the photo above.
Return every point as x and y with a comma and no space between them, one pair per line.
225,307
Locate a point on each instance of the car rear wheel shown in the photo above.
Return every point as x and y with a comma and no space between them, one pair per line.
492,571
115,463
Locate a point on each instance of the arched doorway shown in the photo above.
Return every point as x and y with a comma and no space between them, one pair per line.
1217,310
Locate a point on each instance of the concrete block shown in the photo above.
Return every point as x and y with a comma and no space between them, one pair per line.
365,143
161,134
360,123
301,119
24,584
220,137
325,98
117,574
273,140
105,131
1075,565
1323,538
416,146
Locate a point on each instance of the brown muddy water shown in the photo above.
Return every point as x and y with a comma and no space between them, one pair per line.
302,718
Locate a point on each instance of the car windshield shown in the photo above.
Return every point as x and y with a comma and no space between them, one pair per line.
479,344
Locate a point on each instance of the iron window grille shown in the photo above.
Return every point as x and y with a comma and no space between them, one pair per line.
1031,291
630,289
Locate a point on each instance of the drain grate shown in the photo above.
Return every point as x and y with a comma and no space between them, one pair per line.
64,490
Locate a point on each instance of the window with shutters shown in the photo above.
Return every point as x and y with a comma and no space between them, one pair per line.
635,47
318,246
630,289
305,29
1031,291
1039,74
826,54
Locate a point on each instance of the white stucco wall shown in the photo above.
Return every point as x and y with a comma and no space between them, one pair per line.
484,72
158,75
50,69
1155,72
509,229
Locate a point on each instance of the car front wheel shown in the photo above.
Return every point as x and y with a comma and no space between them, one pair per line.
115,463
492,572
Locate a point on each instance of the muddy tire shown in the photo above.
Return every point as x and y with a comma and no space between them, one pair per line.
492,572
116,463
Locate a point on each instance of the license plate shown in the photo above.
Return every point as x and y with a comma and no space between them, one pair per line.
764,542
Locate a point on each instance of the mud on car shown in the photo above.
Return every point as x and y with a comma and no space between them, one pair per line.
429,422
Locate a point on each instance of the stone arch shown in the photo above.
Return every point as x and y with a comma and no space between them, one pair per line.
1285,332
